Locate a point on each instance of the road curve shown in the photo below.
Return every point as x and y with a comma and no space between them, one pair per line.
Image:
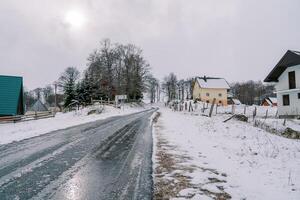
106,159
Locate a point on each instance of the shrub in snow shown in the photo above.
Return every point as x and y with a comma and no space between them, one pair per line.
290,133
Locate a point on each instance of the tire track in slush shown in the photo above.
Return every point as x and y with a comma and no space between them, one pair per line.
33,181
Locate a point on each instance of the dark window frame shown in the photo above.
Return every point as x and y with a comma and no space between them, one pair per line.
285,100
292,79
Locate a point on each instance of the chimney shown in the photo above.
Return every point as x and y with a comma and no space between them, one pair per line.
204,78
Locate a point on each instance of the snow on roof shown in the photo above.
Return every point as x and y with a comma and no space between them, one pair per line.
273,99
213,83
268,101
236,101
296,52
38,106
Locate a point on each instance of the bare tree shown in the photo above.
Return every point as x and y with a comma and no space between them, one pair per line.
38,92
152,87
29,98
117,69
252,92
47,91
170,86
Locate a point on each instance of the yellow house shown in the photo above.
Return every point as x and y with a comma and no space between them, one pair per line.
207,88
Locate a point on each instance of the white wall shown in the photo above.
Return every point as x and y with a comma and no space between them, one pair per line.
283,80
283,84
293,108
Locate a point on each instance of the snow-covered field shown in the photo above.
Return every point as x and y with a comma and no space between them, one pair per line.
18,131
198,157
265,114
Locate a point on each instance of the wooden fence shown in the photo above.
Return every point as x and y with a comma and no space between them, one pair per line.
103,102
11,119
27,117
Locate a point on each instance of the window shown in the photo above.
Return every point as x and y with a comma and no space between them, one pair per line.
298,95
286,100
292,80
220,102
207,101
220,94
207,94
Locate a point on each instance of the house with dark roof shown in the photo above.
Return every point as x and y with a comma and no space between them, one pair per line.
207,89
11,96
286,76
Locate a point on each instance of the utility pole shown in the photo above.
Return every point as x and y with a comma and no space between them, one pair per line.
55,92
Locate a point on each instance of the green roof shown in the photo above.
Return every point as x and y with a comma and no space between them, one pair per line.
11,95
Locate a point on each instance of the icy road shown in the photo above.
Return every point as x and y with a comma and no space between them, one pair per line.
107,159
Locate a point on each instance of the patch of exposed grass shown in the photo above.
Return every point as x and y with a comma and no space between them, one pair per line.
171,173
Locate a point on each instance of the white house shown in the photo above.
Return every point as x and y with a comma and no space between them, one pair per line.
286,75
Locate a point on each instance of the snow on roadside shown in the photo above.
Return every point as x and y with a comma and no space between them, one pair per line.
232,159
18,131
262,112
278,124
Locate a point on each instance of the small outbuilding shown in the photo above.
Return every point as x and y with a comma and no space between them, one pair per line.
11,96
233,101
269,101
38,106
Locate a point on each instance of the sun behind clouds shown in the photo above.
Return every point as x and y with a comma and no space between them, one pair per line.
75,18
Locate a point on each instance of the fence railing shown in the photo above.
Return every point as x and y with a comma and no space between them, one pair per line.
103,102
207,109
39,115
10,119
27,117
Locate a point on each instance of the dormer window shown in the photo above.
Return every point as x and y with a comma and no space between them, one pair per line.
292,80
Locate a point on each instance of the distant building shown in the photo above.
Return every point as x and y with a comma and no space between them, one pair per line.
233,101
286,75
11,96
38,106
208,88
269,101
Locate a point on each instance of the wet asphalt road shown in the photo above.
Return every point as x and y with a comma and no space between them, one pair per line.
107,159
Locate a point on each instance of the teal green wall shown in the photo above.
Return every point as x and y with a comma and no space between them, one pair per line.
11,95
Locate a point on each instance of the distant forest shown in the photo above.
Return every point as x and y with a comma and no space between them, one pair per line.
252,92
112,69
117,69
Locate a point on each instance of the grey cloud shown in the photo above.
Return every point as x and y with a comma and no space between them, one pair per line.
238,40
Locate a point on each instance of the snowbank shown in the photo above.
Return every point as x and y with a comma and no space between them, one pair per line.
232,158
22,130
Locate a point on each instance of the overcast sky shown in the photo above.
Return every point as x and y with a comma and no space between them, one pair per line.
238,40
